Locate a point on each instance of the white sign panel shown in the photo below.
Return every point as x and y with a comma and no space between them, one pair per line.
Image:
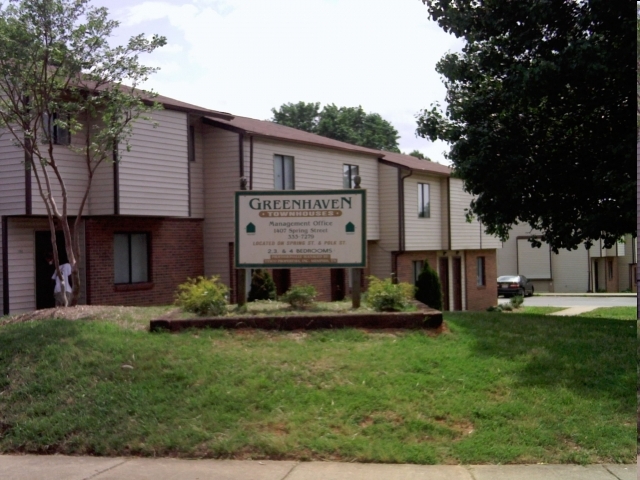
292,228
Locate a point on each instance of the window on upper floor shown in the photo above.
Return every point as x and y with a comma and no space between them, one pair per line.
283,172
349,173
131,257
481,279
424,204
191,143
59,134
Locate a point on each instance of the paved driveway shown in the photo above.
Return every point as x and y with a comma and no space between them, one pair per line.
577,301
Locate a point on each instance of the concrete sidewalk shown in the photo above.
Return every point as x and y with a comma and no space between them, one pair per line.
59,467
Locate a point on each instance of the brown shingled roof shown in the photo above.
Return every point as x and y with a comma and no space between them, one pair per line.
414,163
268,129
172,104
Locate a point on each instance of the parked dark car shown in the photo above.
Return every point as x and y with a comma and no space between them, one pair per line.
510,285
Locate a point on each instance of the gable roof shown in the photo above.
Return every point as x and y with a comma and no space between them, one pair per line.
267,129
414,163
172,104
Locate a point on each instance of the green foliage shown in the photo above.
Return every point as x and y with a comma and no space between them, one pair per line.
429,287
300,296
419,154
301,115
516,301
262,286
538,116
386,296
203,296
347,124
61,78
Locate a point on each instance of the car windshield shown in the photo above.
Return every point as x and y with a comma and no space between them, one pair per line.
508,278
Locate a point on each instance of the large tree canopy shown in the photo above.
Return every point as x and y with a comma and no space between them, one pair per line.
60,77
347,124
539,115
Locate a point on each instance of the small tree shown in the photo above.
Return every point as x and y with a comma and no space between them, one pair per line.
429,288
59,77
262,286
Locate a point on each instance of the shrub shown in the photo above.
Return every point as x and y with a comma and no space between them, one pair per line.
429,288
262,286
516,301
203,296
300,296
386,296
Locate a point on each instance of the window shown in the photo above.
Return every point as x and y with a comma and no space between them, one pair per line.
191,143
481,280
423,200
131,257
59,134
349,173
283,172
610,269
417,269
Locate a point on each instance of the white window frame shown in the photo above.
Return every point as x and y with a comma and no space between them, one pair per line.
481,270
417,269
424,201
58,134
283,172
349,173
142,273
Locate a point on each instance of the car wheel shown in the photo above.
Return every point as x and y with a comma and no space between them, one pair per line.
531,294
521,292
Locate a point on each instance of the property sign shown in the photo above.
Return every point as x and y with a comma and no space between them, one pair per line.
292,228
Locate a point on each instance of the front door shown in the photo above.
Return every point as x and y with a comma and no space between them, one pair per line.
337,284
44,271
444,281
457,283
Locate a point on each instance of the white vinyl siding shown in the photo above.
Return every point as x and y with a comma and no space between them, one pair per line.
12,175
388,208
598,250
73,171
570,270
379,261
196,175
101,194
153,176
422,233
625,261
466,235
316,169
221,180
534,263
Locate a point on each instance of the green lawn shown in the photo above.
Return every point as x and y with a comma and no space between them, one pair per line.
493,388
619,313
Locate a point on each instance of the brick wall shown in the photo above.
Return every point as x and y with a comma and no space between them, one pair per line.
405,264
481,297
176,252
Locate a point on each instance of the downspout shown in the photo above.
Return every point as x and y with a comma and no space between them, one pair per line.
241,153
250,162
401,221
449,213
5,266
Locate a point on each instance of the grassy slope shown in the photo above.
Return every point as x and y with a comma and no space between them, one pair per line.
496,388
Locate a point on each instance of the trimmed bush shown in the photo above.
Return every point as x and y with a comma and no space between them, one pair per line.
516,301
203,296
386,296
429,288
300,296
262,286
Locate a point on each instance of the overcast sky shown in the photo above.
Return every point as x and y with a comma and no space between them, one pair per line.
248,56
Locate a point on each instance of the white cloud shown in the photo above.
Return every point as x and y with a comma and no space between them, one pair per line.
247,56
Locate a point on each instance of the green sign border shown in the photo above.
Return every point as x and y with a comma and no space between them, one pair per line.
359,191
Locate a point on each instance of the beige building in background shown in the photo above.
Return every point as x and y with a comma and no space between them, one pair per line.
575,271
